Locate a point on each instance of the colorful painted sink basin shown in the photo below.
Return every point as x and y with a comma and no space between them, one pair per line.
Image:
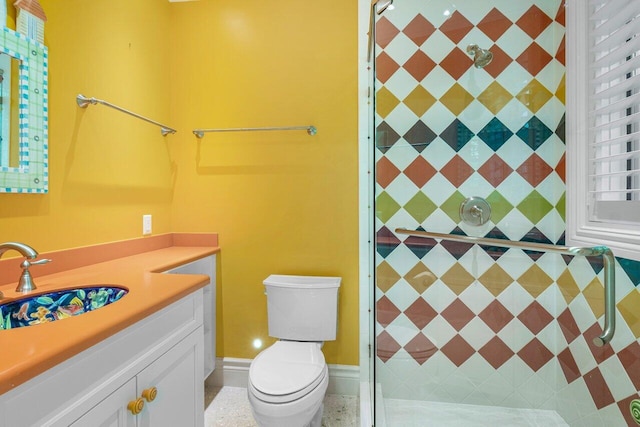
51,306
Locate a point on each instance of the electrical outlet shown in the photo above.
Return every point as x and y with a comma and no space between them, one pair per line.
146,225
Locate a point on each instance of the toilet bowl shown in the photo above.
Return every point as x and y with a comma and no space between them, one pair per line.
287,385
288,380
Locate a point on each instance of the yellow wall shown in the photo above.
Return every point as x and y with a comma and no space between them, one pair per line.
106,169
282,202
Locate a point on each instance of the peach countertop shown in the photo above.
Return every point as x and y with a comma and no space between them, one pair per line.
136,265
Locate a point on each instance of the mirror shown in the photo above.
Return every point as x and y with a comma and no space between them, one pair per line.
23,114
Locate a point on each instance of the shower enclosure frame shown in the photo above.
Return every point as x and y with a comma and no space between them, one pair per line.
367,200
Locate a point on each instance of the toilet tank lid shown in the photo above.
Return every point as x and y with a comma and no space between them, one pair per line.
286,281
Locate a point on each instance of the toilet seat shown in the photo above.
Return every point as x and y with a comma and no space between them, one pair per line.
287,371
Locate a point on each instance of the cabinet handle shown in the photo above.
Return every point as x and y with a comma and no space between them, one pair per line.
136,406
149,394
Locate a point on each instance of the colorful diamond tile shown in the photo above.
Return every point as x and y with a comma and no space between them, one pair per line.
568,286
496,352
533,22
600,392
534,96
419,100
630,359
457,279
419,246
456,63
628,308
386,346
561,55
534,207
495,134
420,277
386,311
496,316
385,137
534,170
568,365
535,317
419,30
624,407
500,206
501,60
385,67
420,171
534,59
385,32
456,27
420,207
451,206
386,242
386,207
420,313
456,99
494,24
386,276
456,135
458,350
458,314
594,294
419,136
457,249
495,170
560,16
496,279
495,97
386,102
600,354
457,171
386,172
561,168
535,354
535,280
632,269
420,348
419,65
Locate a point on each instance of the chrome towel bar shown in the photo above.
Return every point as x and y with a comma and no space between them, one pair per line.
311,130
83,102
605,252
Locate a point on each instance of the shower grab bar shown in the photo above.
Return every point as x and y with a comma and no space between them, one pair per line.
311,130
83,102
605,252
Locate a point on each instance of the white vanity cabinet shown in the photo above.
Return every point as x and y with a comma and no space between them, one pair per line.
164,392
206,266
94,388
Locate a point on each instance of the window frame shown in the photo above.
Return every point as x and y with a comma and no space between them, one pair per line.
622,239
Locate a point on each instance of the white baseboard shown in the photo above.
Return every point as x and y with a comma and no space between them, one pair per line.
233,372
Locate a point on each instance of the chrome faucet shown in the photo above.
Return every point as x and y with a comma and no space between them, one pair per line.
25,284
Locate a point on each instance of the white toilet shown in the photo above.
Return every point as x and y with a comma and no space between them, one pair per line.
288,380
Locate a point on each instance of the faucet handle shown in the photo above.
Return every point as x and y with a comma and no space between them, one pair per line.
26,284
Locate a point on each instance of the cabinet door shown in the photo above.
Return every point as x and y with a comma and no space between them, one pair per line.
206,266
112,411
177,377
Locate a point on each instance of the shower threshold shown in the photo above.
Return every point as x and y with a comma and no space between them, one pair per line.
411,413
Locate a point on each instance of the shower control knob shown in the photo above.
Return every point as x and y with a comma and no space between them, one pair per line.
475,211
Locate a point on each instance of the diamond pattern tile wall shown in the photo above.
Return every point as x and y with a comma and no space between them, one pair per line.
446,130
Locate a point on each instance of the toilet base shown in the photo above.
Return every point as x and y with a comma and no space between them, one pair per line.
316,421
305,412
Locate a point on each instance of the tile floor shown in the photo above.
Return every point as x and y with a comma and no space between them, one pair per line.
229,407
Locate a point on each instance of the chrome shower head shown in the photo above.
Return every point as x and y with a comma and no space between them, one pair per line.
481,57
384,5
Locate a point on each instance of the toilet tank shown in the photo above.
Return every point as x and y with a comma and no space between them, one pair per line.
302,308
